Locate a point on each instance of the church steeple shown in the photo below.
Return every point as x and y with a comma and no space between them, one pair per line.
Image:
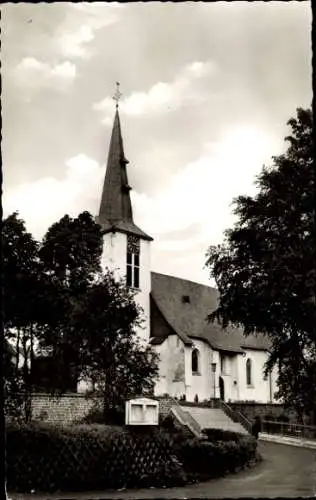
116,212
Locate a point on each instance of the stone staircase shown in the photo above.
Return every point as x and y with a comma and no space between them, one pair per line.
213,418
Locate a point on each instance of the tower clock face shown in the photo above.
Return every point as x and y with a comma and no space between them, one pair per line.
133,244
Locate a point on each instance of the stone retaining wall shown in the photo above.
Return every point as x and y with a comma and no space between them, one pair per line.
72,407
250,410
64,409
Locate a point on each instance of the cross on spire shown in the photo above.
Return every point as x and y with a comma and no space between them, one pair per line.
117,96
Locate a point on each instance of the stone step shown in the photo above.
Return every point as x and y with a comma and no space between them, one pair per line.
214,419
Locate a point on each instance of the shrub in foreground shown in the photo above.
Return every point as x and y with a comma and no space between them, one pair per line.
45,458
94,457
217,455
221,435
96,415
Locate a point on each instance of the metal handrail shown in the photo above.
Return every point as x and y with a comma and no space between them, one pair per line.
235,415
245,422
288,429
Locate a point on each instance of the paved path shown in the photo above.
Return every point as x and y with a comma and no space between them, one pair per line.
286,471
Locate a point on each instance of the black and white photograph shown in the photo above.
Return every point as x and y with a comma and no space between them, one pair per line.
158,250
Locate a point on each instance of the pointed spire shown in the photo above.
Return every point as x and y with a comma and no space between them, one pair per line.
115,201
116,209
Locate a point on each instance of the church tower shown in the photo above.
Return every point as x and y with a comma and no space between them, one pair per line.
126,248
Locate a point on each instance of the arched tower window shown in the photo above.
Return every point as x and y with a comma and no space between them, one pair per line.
249,371
195,361
132,261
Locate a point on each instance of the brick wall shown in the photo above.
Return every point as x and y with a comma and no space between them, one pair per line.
65,409
164,406
73,407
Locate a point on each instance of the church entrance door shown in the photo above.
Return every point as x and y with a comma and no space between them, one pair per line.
221,389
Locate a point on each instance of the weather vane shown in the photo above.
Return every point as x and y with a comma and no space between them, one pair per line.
117,96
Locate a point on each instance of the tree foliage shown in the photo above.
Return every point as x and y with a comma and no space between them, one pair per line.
109,350
22,287
70,254
265,269
64,313
71,250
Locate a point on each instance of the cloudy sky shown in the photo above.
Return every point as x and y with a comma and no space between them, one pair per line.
207,91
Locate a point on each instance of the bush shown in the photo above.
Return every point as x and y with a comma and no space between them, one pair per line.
96,415
221,435
45,458
167,422
220,453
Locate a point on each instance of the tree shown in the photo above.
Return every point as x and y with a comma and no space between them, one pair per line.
265,269
22,282
57,297
71,250
93,317
104,335
70,254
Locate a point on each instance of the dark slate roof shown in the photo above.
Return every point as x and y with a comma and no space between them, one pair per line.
189,318
123,226
116,209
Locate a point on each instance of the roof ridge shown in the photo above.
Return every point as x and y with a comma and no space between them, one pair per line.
185,279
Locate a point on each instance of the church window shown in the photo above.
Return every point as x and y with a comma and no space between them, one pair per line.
222,364
132,261
195,361
249,372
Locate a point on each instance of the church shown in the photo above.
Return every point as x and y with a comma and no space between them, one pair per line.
198,360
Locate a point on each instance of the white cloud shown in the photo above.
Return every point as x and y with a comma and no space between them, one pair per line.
34,73
73,44
202,192
65,70
199,68
43,202
198,196
161,95
80,25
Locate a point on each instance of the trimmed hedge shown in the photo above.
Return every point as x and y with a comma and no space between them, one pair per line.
221,435
81,458
115,416
44,458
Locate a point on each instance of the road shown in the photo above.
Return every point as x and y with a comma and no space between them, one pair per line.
285,471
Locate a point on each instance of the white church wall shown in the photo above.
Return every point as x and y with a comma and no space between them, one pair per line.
274,385
171,367
199,384
230,376
143,296
215,376
259,390
114,258
114,254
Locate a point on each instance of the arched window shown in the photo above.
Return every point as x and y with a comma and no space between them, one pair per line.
195,361
249,371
